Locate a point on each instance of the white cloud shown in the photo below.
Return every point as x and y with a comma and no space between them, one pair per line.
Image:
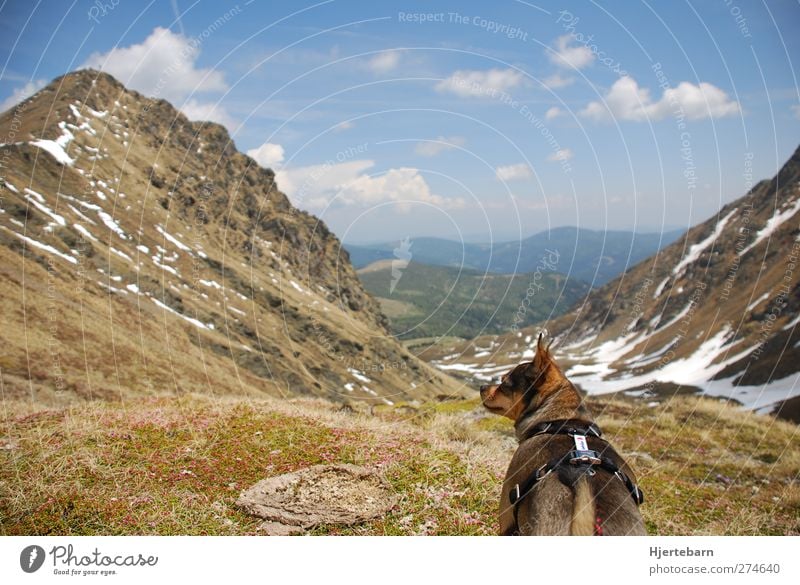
796,110
21,93
207,111
513,172
566,56
553,113
268,155
466,83
698,101
342,126
563,154
442,143
384,62
627,101
556,81
314,187
163,65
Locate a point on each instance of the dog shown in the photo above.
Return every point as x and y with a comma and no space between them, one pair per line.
564,479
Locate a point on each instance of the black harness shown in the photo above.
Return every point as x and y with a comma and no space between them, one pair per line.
585,460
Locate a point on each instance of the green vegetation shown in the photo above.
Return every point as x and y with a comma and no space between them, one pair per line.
430,301
177,465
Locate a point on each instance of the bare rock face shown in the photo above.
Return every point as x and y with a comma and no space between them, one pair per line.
323,494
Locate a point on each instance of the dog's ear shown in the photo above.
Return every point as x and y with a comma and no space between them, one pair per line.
543,359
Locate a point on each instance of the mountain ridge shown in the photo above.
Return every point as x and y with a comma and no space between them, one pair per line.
716,311
592,256
166,261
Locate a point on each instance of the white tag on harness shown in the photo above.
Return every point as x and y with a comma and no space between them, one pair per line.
580,443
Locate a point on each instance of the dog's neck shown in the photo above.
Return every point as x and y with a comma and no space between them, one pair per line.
564,403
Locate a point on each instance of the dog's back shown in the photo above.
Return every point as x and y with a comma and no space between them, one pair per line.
564,478
570,500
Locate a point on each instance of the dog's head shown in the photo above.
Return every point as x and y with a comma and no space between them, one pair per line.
526,384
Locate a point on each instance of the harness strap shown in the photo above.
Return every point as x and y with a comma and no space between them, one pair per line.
570,427
581,457
588,458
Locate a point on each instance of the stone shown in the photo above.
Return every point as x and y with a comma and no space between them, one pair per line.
339,494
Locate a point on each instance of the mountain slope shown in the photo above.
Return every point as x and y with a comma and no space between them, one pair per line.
433,301
718,310
592,256
142,253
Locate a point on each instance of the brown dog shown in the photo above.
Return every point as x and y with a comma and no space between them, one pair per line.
563,479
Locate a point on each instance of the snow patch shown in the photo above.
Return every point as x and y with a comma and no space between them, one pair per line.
173,239
121,254
42,246
660,288
84,231
758,301
358,375
773,223
195,322
695,250
43,208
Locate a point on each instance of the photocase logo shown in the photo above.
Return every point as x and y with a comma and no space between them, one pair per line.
31,558
402,255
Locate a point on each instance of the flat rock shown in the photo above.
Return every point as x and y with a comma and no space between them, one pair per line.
339,494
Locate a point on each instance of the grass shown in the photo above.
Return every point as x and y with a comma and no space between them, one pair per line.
177,465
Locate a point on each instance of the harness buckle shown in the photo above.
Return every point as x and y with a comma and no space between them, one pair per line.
585,458
514,496
538,475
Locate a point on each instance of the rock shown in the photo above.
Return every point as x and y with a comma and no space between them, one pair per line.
323,494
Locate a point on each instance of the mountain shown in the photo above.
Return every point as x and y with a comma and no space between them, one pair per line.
142,254
592,256
717,311
434,301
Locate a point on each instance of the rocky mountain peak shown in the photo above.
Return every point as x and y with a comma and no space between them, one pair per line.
186,253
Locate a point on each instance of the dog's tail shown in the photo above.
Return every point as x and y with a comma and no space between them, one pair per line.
583,509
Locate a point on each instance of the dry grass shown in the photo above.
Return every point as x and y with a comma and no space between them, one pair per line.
177,465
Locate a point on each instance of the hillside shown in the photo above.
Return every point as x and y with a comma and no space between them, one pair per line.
717,312
142,254
588,255
421,300
176,466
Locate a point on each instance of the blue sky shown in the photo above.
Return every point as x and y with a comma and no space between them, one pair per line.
457,119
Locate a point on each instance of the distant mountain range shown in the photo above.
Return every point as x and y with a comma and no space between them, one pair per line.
718,311
421,300
588,255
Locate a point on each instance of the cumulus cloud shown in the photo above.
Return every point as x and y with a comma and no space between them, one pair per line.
553,113
627,101
347,183
21,93
439,145
207,111
513,172
163,66
561,155
384,62
557,81
565,55
268,155
466,83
